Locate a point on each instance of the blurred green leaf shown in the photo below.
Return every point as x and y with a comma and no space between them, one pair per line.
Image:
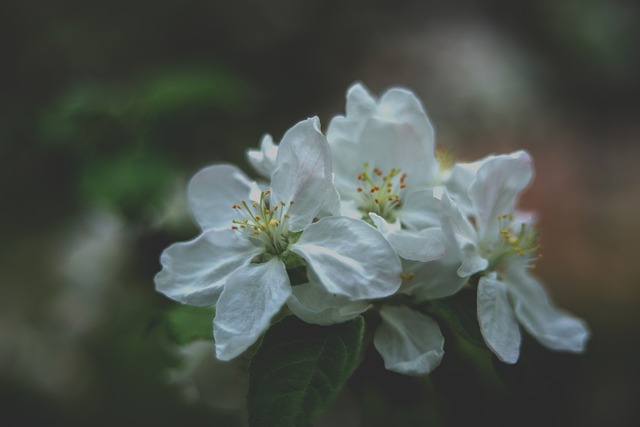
299,370
175,92
459,313
187,323
131,182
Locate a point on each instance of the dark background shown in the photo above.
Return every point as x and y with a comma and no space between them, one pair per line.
107,109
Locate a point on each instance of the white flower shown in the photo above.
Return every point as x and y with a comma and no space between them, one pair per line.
499,244
385,168
250,237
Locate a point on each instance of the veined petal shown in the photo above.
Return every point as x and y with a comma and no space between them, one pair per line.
412,245
496,188
454,224
498,323
213,191
312,303
350,257
264,159
551,326
409,342
194,272
252,295
303,172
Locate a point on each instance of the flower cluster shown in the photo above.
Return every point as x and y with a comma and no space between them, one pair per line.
372,220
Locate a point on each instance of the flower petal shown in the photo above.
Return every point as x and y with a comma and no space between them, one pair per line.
350,258
252,296
360,106
438,278
213,191
264,159
420,209
303,172
194,272
496,188
498,324
457,226
312,303
412,245
409,342
550,325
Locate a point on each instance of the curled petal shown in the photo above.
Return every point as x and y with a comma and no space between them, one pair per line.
252,296
455,225
212,193
350,257
194,272
409,342
303,173
498,323
551,326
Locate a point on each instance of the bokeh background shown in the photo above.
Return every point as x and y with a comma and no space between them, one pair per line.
108,107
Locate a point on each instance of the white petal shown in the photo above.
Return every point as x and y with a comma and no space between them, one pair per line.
412,245
251,297
350,258
454,224
194,272
435,279
496,188
213,191
498,323
360,106
550,325
420,209
415,144
409,342
459,181
312,303
264,159
303,172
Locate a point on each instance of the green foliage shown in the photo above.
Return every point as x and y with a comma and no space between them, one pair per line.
299,370
186,323
459,313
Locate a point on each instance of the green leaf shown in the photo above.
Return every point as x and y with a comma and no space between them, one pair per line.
187,323
299,370
459,313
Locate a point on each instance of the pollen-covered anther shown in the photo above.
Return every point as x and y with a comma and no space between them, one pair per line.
522,241
380,192
264,221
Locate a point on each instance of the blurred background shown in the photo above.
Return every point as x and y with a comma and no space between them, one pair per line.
107,109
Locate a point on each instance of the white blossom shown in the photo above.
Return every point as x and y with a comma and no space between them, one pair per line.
499,245
251,236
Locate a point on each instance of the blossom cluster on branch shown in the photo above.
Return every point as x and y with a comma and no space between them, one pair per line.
366,218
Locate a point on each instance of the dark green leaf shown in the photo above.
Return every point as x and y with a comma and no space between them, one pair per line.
187,323
459,313
299,370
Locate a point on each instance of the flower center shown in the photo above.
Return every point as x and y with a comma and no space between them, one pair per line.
516,241
380,193
265,221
